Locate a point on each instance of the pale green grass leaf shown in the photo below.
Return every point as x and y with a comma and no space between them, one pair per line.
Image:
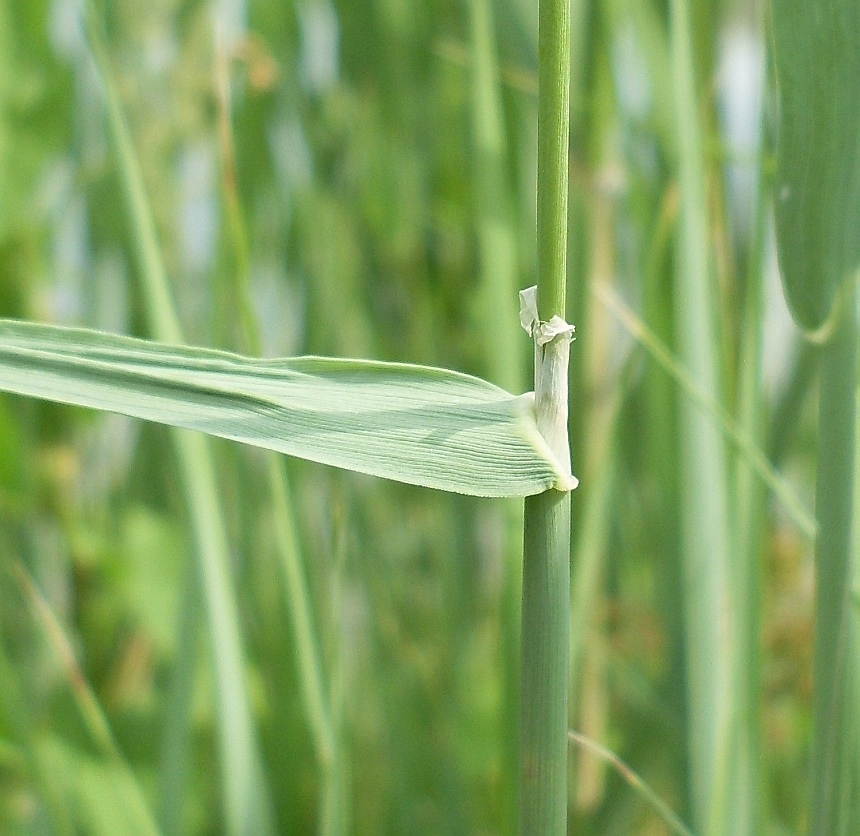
413,424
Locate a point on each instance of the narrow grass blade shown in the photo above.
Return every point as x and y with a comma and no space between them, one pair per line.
95,792
663,810
298,603
503,342
753,455
247,807
138,816
413,424
854,606
750,512
496,230
336,803
593,537
21,744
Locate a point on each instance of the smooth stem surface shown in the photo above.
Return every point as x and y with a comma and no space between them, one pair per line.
834,706
546,551
552,162
545,635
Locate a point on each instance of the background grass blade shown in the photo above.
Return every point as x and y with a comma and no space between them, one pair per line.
674,824
834,788
138,818
817,65
176,739
749,504
329,738
817,62
315,173
738,436
503,340
247,808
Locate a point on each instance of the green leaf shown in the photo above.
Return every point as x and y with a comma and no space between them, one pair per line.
413,424
817,59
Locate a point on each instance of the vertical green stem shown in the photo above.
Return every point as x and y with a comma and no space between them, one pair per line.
545,632
748,796
552,162
546,551
710,595
833,706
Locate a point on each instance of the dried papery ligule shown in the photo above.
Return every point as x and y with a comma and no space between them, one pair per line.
552,354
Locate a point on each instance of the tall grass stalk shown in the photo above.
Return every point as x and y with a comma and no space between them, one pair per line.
544,685
749,499
705,534
546,552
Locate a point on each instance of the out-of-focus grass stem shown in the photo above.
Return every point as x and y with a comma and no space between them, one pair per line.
503,340
247,807
297,598
705,533
750,511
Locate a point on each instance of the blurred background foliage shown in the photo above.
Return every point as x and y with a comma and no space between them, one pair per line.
352,178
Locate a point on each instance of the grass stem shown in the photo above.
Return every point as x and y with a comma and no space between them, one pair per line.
545,636
546,552
710,593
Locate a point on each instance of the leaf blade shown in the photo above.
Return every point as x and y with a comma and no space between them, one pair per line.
816,49
414,424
